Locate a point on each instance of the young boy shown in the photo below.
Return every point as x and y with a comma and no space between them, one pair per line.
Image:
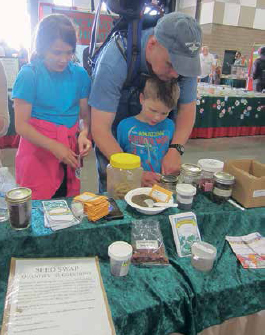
149,133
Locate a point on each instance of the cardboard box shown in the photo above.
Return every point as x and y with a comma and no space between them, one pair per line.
249,188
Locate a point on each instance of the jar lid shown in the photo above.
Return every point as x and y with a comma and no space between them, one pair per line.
120,251
169,178
125,161
191,169
19,194
211,165
186,189
224,178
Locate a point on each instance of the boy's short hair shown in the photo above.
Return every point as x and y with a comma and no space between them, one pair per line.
166,92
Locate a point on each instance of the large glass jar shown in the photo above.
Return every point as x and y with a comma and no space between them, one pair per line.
209,167
190,174
222,187
124,173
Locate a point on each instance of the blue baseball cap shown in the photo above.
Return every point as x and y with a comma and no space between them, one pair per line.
181,35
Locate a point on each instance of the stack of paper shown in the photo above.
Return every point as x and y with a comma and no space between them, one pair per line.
57,215
95,206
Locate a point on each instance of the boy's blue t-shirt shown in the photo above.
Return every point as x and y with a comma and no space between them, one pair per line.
149,142
54,96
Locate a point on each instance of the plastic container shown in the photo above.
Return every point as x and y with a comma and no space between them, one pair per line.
190,174
169,182
7,182
19,207
209,167
120,254
222,187
203,256
185,194
124,173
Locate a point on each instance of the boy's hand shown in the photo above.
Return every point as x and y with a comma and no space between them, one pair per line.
171,162
150,178
84,144
65,154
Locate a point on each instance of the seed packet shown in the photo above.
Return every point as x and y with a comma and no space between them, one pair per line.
185,231
147,243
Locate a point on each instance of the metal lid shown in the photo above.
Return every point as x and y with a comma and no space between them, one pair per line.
191,169
18,195
211,165
224,178
169,178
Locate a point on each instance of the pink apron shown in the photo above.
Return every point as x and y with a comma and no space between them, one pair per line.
38,169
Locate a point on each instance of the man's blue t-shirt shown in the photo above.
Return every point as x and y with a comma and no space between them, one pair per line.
54,96
111,72
149,142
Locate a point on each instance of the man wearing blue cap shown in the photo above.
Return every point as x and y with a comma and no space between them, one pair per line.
170,51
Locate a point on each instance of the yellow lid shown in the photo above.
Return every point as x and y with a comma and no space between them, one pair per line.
125,161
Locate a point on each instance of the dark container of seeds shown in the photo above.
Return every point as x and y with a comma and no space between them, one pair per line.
19,207
222,187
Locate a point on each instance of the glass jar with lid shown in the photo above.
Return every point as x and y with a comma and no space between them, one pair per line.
222,187
169,182
19,207
190,174
124,173
209,167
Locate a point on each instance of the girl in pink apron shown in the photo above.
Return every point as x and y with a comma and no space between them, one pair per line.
50,95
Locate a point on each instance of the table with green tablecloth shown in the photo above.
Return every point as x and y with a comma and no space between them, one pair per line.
219,116
175,298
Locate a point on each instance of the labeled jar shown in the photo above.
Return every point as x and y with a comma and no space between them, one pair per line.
120,254
190,174
209,167
185,194
124,173
19,207
222,187
169,182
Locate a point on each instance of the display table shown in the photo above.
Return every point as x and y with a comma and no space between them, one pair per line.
238,83
229,116
156,301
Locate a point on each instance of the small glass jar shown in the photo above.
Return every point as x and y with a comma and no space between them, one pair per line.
190,174
124,173
169,182
209,167
222,187
19,207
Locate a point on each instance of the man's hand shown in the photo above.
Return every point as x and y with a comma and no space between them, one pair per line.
84,144
65,154
150,178
171,162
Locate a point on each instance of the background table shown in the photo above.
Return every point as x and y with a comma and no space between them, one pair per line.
229,116
156,301
238,83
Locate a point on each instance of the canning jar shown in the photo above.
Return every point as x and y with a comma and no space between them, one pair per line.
124,173
19,207
222,187
169,182
209,167
190,174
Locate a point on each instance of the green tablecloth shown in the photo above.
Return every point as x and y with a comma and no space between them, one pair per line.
238,83
155,301
215,111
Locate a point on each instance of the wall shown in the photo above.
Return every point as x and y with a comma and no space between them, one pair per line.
223,37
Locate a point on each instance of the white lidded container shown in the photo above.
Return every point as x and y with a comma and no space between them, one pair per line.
120,254
203,256
209,168
185,194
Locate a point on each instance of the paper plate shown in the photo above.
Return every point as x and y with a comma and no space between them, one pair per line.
143,210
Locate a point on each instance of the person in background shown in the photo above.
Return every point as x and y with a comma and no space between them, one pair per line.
217,71
50,95
149,133
207,65
239,59
22,56
4,113
259,71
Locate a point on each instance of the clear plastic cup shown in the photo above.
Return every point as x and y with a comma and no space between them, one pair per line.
185,194
120,254
203,256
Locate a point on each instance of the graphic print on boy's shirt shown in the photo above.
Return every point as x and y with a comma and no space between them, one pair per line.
149,142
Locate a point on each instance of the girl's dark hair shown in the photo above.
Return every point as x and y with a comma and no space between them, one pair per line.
51,28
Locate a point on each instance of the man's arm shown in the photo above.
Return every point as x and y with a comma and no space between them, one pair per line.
184,123
101,123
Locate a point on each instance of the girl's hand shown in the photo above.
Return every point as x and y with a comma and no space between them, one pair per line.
84,144
65,154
